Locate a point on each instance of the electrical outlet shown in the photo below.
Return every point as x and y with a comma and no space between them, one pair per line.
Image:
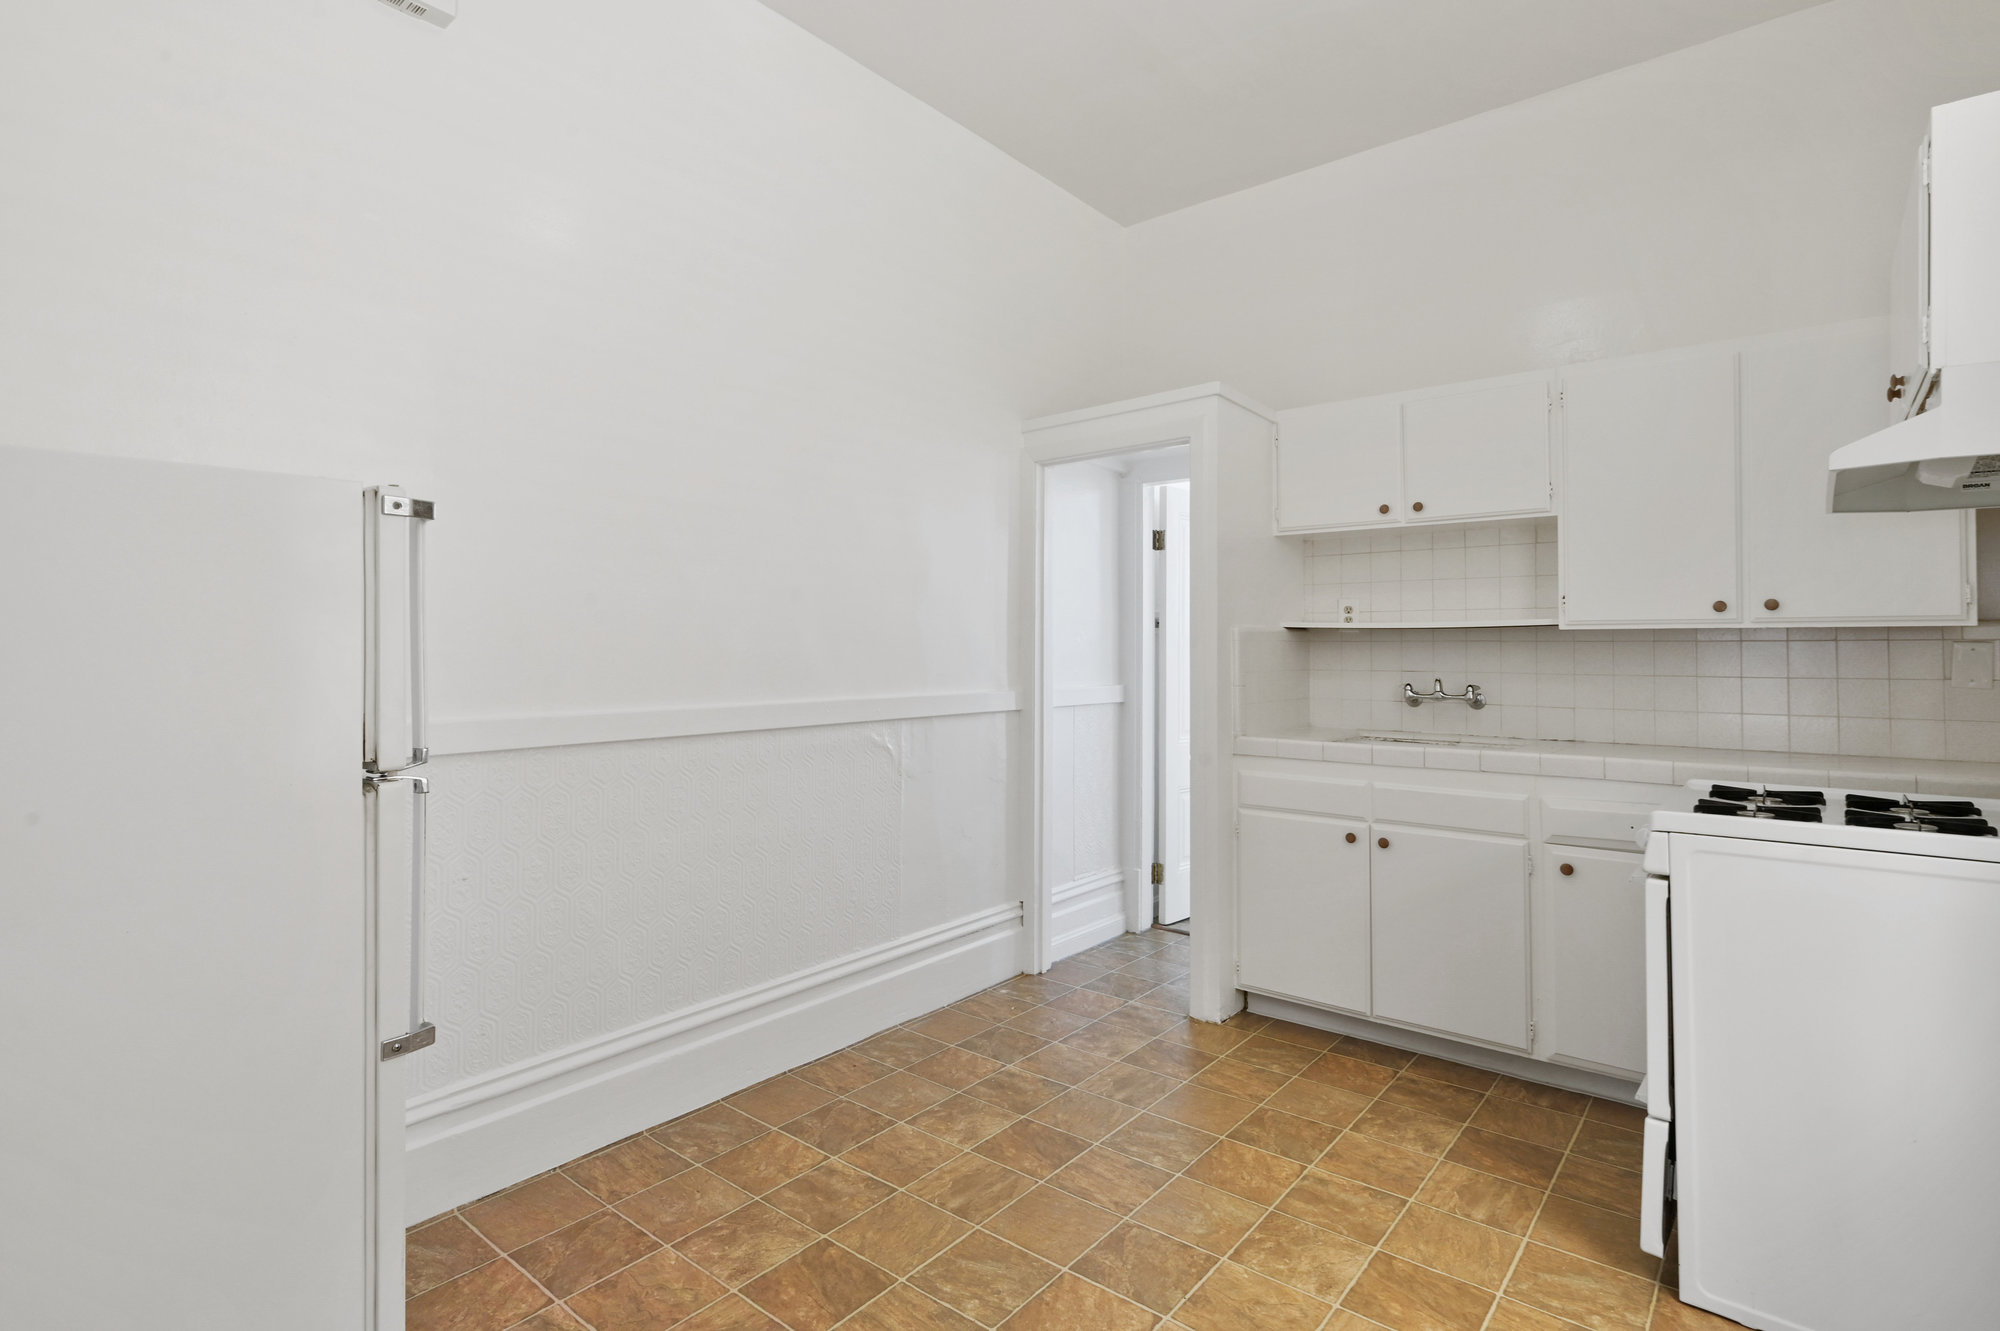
1972,665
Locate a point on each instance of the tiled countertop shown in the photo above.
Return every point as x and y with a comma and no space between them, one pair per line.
1654,764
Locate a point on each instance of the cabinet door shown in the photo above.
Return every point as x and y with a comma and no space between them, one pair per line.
1804,396
1597,958
1339,465
1450,917
1649,491
1480,452
1303,919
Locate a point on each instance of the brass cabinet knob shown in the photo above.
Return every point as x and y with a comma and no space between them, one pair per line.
1383,509
1721,606
1771,603
1382,841
1417,507
1350,838
1568,869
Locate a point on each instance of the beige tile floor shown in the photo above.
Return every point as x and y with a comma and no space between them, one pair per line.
1069,1151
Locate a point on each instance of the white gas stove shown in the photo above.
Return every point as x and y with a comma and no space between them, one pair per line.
1893,821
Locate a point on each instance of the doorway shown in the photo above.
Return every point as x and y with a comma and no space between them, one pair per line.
1167,708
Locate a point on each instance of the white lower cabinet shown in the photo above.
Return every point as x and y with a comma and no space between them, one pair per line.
1304,929
1597,942
1450,932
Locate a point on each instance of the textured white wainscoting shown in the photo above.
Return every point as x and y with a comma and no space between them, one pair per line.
1081,833
621,932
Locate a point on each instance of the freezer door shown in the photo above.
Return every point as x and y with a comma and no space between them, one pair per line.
183,955
1658,1087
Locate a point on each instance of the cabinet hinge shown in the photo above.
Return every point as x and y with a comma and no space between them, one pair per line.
1965,595
1159,539
1159,873
1531,1035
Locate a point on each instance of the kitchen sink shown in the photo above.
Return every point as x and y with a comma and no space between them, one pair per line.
1419,737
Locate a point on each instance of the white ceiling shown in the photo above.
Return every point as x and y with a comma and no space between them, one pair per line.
1141,107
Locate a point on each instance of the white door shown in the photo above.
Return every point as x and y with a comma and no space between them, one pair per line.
1450,928
1340,465
1597,936
1479,452
1176,745
183,1115
1302,928
1803,397
1649,491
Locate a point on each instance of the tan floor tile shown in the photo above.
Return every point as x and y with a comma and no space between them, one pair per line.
1169,1059
971,1187
1456,1103
994,1007
1053,1224
1360,1212
1207,1036
745,1243
652,1293
1040,988
1343,1320
435,1252
901,1234
1161,1141
1317,1100
1609,1145
1629,1117
1295,1138
1235,1298
899,1047
1273,1055
1257,1176
672,1210
1548,1097
492,1297
1130,1085
1457,1074
1377,1163
956,1068
1074,1304
1406,1297
1477,1196
1104,1040
633,1164
1081,1114
729,1314
1411,1129
984,1277
828,1197
1004,1044
1120,985
963,1120
1600,1185
948,1026
1156,969
1034,1149
906,1309
1192,1212
1087,1003
523,1214
1304,1256
814,1290
554,1318
1169,998
1511,1316
1531,1123
761,1165
1071,1067
1670,1314
1349,1074
1114,1181
1199,1107
1458,1247
1581,1291
1370,1052
843,1072
1509,1157
1246,1081
707,1132
1150,1022
901,1155
1016,1091
838,1125
585,1252
1145,1266
1075,970
1051,1023
1589,1231
779,1100
900,1095
1291,1032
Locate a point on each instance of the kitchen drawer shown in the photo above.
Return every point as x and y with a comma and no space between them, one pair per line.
1430,807
1610,826
1343,799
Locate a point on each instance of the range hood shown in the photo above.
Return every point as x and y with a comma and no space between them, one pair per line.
1945,455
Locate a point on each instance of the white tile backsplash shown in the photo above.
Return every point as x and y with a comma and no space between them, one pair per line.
1434,575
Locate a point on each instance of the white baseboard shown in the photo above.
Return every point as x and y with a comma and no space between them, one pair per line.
481,1135
1087,911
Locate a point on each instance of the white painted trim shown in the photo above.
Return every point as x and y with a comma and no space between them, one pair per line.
1171,398
1096,882
1099,900
472,1138
495,733
1087,695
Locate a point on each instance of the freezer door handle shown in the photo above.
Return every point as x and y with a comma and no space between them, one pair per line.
421,1034
1659,1005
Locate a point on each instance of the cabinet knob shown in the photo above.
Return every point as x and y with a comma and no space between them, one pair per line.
1721,606
1383,509
1568,869
1417,507
1771,603
1350,838
1382,841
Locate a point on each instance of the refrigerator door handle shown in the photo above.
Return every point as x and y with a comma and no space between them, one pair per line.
393,717
421,1034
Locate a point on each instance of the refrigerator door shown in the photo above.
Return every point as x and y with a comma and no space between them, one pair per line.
184,963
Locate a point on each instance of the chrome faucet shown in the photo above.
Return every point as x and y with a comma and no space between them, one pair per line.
1472,697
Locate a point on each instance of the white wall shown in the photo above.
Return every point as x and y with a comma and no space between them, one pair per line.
1750,184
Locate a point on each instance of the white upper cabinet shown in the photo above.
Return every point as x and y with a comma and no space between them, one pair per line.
1803,396
1339,465
1649,491
1479,451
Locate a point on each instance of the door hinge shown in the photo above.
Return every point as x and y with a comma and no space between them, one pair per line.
1531,1035
1159,873
1159,539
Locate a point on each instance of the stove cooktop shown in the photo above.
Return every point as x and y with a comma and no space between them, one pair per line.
1836,817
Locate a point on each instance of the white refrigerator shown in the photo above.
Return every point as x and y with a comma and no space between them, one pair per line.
211,845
